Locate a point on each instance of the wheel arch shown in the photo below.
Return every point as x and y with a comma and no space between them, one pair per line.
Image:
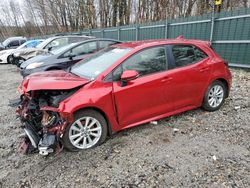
225,82
221,79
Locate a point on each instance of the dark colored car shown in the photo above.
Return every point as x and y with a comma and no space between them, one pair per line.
12,43
64,57
120,87
47,45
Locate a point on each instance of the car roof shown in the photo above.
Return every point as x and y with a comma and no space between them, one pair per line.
72,45
13,38
70,36
155,42
99,39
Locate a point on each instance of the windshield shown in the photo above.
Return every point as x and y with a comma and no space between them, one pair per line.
42,44
93,66
29,44
6,42
23,45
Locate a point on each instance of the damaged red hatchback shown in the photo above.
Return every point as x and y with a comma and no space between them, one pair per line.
120,87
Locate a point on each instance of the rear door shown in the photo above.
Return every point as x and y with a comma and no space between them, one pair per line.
146,96
190,74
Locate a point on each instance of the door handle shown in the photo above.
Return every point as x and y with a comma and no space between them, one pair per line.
204,69
167,79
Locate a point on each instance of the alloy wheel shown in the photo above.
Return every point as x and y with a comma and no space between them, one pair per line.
85,132
215,96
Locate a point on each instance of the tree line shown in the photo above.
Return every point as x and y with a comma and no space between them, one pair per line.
41,17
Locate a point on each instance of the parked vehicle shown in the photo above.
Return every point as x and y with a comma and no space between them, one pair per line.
12,43
64,57
5,55
120,87
49,44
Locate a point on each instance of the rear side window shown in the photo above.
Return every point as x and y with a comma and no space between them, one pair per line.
187,54
22,41
146,62
76,39
14,43
105,44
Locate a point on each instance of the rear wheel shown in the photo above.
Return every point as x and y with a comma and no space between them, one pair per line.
88,130
215,96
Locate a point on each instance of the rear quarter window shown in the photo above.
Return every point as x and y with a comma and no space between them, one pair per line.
187,54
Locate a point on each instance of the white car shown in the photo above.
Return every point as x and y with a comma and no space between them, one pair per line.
29,44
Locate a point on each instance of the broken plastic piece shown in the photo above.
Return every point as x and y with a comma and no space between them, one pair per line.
154,122
23,147
176,130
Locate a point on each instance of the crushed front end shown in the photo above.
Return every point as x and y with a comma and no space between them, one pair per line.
43,121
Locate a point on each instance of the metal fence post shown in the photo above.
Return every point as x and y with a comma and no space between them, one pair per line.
137,33
212,24
102,33
166,29
118,33
212,29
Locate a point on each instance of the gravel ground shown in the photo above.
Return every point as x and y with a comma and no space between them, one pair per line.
193,149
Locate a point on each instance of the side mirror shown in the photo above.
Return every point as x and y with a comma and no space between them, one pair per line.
71,55
50,48
128,75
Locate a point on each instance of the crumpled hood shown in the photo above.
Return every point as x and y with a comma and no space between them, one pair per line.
30,52
52,80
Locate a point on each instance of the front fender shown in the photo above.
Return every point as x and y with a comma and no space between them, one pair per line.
99,97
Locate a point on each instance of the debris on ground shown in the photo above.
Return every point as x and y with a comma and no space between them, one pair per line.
212,149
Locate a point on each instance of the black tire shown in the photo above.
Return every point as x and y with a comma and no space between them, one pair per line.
18,61
80,114
206,105
10,59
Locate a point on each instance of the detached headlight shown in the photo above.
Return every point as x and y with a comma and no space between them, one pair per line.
34,65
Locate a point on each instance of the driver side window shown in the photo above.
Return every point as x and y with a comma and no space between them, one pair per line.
86,48
145,62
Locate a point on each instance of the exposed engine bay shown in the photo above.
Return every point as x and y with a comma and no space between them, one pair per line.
41,121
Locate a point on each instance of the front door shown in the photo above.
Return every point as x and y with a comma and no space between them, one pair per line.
146,96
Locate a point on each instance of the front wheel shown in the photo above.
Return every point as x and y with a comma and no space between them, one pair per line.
88,131
10,59
215,96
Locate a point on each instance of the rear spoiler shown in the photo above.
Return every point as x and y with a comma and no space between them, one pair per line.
209,43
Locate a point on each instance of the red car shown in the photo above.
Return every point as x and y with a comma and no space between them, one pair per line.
120,87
